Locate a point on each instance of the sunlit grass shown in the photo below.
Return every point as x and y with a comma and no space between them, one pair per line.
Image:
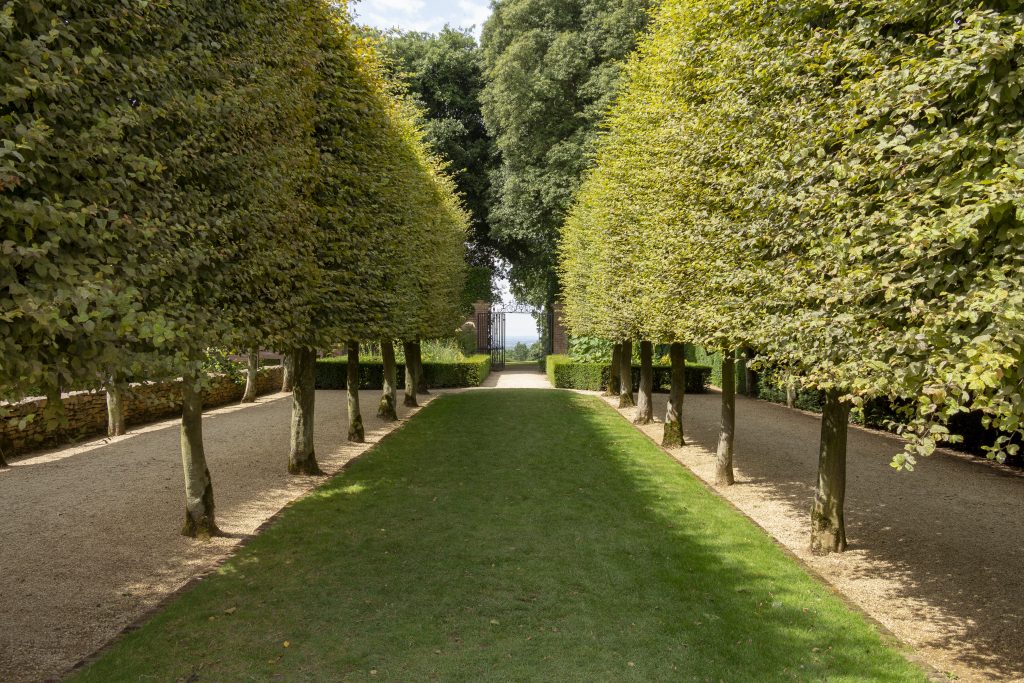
509,536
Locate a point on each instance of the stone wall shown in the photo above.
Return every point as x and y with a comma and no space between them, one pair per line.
86,411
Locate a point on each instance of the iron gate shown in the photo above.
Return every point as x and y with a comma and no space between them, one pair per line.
496,341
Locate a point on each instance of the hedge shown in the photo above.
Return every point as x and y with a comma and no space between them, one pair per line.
331,373
701,356
565,373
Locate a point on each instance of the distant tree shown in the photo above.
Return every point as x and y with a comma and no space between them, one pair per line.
520,352
553,68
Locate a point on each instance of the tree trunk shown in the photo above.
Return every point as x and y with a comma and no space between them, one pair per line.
287,383
389,396
3,462
421,379
750,378
673,436
791,392
199,516
645,404
828,528
355,418
115,408
251,376
626,375
302,458
409,349
613,372
727,432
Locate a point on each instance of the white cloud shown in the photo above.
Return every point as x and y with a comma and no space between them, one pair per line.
423,15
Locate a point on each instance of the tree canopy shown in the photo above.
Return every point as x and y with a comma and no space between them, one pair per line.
552,69
444,75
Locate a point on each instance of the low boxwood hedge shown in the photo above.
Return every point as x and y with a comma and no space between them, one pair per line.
565,373
331,373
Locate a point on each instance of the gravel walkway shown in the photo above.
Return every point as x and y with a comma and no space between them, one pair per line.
517,377
90,533
935,554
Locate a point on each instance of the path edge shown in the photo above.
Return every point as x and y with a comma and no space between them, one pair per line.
165,601
906,650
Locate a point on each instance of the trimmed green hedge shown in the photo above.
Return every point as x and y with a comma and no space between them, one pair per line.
701,356
565,373
331,373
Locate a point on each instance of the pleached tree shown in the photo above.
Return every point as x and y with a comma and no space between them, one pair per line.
837,190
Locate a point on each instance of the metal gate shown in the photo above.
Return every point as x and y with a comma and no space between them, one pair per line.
496,341
490,330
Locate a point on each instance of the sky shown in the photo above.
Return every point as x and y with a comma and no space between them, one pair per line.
423,15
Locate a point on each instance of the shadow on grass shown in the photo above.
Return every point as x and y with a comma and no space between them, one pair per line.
931,534
509,535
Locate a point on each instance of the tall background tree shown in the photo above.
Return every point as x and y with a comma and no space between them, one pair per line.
443,74
553,68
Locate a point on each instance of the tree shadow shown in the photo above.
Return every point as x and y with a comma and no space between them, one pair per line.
517,535
931,549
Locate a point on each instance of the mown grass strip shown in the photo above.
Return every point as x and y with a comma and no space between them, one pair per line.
509,536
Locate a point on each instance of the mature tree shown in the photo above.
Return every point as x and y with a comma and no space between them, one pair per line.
552,70
444,75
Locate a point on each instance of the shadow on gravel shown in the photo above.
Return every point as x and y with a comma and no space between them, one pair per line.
948,532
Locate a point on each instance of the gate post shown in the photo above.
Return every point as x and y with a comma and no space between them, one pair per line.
559,338
482,321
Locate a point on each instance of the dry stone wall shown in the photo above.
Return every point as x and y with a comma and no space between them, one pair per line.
86,411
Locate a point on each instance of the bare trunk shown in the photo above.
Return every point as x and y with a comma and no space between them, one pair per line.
750,377
355,418
389,396
727,432
199,516
673,436
287,383
115,408
791,392
302,458
626,375
613,372
421,379
645,404
409,349
252,373
3,462
828,528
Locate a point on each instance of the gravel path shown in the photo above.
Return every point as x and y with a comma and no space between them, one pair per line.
935,554
90,533
517,377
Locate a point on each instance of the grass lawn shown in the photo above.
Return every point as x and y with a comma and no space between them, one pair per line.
509,536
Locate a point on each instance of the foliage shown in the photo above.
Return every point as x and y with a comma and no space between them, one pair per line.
444,74
391,227
479,287
837,185
566,373
563,57
519,352
590,349
468,372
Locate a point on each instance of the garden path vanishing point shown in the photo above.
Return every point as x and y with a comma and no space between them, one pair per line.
90,532
934,554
